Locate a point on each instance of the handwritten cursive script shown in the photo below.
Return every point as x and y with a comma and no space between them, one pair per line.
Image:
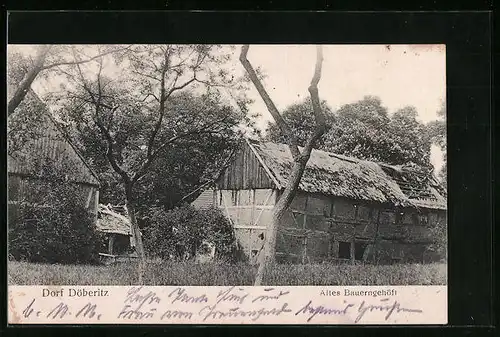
312,311
221,305
395,307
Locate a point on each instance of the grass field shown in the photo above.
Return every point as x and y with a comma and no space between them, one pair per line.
219,274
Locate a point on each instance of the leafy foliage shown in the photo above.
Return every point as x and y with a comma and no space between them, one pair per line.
365,130
437,134
183,165
180,233
18,66
27,123
440,241
300,118
158,93
51,225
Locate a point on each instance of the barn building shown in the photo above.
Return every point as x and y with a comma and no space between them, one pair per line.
346,209
39,138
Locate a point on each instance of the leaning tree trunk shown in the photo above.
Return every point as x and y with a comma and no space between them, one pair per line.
136,233
267,259
300,158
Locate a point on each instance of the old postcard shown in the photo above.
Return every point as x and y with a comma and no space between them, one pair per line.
227,184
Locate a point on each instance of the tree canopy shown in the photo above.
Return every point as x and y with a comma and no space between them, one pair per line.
168,125
364,130
437,134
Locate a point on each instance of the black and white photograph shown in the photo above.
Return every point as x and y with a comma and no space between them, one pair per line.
227,165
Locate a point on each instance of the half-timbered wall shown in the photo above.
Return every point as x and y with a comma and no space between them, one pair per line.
250,211
318,228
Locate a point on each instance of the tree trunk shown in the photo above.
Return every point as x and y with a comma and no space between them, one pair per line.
136,233
268,258
300,158
25,85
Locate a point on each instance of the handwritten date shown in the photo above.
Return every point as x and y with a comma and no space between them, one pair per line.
62,310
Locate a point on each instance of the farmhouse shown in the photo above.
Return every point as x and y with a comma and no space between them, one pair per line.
36,139
346,209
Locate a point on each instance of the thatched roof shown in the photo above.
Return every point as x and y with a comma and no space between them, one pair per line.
331,174
50,142
111,221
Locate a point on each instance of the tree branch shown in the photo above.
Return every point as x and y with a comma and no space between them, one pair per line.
163,98
318,113
285,129
105,132
151,157
68,63
226,164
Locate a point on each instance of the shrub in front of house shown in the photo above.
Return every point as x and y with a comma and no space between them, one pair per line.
180,234
53,227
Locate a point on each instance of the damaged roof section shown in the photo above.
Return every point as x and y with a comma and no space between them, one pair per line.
113,220
421,187
331,174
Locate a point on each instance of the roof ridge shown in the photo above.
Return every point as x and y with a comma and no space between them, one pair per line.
332,174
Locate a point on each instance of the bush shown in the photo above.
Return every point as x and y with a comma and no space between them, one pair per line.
180,233
439,246
51,225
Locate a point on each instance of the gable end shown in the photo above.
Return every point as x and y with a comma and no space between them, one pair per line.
246,172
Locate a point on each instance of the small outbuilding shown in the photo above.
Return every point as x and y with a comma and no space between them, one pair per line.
346,209
113,222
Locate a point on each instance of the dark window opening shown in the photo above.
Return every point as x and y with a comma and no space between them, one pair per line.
423,219
364,213
359,250
120,244
344,250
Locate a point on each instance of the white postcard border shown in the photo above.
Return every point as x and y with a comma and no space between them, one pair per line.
316,305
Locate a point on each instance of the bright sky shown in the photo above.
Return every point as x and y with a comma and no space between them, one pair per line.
400,75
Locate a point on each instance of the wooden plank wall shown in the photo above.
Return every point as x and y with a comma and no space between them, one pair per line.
53,146
245,173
